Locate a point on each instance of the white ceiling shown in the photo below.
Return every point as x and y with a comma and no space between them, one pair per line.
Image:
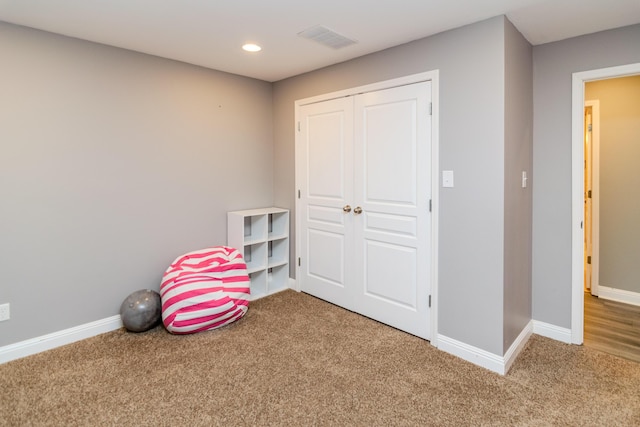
210,33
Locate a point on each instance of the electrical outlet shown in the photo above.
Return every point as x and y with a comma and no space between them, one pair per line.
5,314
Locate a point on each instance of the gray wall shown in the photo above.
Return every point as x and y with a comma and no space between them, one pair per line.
113,163
619,180
518,157
472,100
553,65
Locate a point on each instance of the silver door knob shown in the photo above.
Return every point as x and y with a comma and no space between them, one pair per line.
346,208
357,210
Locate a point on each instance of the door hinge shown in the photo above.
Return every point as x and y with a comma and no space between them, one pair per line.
589,260
590,127
298,194
431,108
589,194
299,261
430,205
298,126
429,301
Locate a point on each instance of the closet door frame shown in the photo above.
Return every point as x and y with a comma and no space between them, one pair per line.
433,77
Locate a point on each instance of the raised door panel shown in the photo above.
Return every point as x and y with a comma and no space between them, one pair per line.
392,187
325,156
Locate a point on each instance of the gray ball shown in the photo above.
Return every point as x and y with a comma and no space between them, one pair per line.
141,310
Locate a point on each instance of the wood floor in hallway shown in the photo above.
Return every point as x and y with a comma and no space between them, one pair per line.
612,327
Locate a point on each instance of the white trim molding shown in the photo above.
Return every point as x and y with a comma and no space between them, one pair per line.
552,331
619,295
276,291
435,199
483,358
517,346
57,339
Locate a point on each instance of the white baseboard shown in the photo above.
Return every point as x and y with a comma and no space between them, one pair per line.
471,354
517,346
483,358
60,338
619,295
291,284
552,331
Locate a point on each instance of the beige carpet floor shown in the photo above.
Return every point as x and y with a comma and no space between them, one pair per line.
294,360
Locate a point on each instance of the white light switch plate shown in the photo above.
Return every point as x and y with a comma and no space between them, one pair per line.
5,314
447,179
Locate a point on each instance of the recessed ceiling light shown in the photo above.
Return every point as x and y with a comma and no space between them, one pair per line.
250,47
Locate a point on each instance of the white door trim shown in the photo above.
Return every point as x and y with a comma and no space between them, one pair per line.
577,187
432,76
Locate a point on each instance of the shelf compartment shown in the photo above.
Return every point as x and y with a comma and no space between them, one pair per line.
277,278
255,256
255,229
278,225
277,252
259,280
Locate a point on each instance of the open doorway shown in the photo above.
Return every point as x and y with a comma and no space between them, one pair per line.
578,189
612,114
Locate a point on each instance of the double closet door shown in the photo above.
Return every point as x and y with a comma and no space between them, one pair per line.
363,174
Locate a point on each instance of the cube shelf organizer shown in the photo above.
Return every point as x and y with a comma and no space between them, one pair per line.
262,236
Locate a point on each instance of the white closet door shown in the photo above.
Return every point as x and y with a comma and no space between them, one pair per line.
364,173
325,160
392,235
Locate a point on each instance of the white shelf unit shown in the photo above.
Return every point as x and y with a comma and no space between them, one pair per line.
262,236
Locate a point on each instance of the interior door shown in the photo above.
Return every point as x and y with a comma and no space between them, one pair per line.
587,196
392,219
325,182
364,177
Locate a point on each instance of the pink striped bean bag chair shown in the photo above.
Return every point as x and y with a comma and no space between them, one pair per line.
204,290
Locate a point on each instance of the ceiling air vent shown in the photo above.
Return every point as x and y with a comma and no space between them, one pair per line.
327,37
